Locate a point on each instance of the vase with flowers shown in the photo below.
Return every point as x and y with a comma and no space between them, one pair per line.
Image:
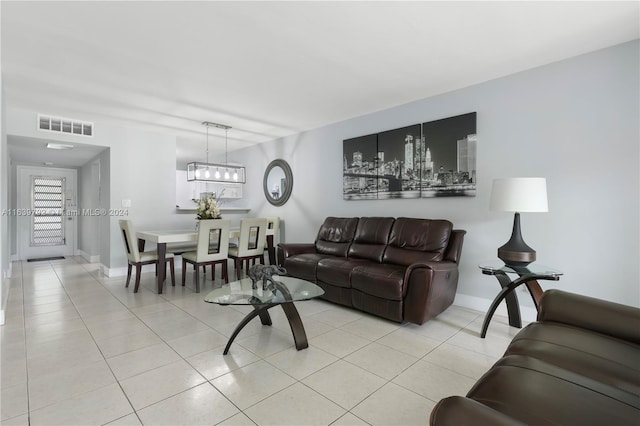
207,208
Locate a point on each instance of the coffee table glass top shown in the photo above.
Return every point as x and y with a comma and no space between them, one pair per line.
289,289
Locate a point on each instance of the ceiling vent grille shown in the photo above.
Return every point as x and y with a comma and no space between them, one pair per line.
70,126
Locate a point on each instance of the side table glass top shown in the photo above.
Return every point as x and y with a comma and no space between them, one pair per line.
241,292
498,267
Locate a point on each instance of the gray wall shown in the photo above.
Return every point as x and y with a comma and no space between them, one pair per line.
574,122
144,173
93,195
4,204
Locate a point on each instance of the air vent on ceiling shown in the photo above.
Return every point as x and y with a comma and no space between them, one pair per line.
65,125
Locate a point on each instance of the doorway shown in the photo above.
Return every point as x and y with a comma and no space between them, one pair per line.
46,212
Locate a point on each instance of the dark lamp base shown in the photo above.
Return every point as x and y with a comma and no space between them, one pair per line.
516,258
516,252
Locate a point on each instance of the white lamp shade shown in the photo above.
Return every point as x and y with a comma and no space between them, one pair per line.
521,194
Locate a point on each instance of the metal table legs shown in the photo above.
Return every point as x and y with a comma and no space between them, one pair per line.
507,293
297,329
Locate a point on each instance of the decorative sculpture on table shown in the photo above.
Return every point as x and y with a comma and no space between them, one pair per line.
265,273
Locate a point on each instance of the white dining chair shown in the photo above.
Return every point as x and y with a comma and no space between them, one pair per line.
212,249
251,243
137,258
273,223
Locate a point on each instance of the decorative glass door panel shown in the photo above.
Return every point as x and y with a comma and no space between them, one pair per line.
47,211
47,201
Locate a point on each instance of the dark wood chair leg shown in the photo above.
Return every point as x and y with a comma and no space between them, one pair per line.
128,275
238,266
197,281
213,271
184,271
173,272
225,272
138,273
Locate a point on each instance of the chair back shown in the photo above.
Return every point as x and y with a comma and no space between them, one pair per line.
274,223
213,240
253,234
130,240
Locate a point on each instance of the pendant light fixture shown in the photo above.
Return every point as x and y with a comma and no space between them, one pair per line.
210,172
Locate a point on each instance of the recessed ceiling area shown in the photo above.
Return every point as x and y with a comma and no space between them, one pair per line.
34,152
271,69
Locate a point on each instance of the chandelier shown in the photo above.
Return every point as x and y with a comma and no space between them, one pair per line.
212,172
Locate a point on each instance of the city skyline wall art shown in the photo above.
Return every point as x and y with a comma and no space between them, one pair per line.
432,159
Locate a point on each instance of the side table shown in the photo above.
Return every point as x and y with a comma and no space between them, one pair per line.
527,275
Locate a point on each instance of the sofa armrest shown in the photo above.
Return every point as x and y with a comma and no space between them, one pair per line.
429,288
438,267
602,316
458,410
291,249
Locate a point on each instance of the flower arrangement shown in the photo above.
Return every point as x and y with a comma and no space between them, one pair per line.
208,208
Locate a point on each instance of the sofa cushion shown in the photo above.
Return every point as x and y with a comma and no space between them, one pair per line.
303,266
598,356
458,410
537,393
337,270
335,236
380,280
371,238
417,241
385,308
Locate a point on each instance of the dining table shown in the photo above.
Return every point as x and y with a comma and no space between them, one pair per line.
163,237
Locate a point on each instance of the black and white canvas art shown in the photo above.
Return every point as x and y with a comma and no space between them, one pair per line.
359,172
449,162
398,163
432,159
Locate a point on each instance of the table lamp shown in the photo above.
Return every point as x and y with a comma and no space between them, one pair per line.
520,194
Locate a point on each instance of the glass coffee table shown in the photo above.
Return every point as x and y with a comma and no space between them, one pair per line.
286,291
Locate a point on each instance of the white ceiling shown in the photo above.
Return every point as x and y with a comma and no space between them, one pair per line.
25,150
270,69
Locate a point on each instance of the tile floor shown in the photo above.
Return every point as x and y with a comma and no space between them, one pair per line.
78,348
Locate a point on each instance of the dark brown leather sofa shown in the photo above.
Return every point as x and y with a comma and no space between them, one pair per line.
579,364
401,269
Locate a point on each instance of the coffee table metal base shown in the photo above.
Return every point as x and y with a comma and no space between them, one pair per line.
297,329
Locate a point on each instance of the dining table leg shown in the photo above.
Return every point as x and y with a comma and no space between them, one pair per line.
162,265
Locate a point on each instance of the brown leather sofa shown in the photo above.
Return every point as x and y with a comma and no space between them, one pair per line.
579,364
401,269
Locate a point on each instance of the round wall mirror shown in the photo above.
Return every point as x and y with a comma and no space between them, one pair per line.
278,182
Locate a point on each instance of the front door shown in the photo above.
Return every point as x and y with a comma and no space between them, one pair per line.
46,213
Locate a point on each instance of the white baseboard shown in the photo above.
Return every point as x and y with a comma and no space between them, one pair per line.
121,272
480,304
7,273
89,258
4,296
114,272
